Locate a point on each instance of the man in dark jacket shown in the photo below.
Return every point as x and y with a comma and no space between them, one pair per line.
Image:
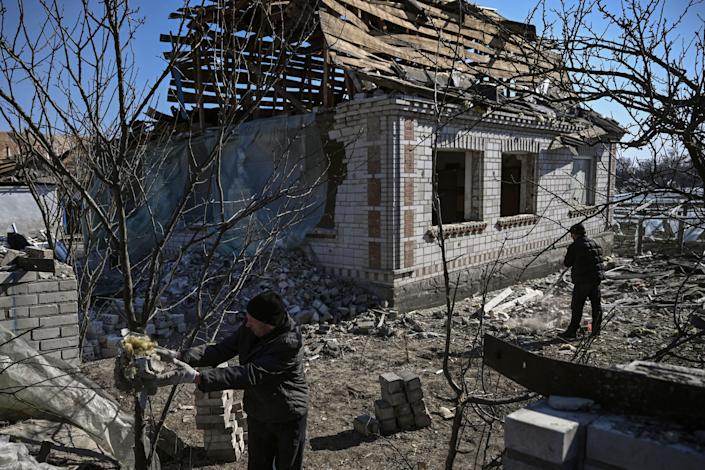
270,349
584,256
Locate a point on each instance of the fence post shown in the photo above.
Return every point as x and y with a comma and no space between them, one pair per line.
639,238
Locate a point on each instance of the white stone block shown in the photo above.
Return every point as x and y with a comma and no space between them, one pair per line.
549,438
614,441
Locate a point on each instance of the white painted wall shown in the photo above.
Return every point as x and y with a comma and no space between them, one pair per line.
19,207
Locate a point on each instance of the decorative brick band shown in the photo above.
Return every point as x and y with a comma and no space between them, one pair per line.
457,230
583,212
374,255
374,160
409,129
517,221
374,192
409,159
374,224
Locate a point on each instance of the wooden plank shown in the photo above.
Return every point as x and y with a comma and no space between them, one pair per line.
616,390
349,15
336,29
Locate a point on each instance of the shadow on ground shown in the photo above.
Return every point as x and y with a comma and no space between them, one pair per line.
342,440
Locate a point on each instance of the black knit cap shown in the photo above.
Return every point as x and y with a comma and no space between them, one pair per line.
578,229
268,308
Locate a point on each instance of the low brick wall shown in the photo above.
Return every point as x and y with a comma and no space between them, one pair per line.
45,303
431,291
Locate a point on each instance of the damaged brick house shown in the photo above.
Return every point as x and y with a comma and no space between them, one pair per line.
514,169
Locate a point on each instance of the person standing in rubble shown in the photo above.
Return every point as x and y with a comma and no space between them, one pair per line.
270,349
584,257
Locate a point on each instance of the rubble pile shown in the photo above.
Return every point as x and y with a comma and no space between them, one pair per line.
310,295
224,424
104,328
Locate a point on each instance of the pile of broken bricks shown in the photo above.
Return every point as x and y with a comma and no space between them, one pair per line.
104,330
223,422
402,407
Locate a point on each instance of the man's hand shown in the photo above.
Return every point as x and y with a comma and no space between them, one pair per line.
167,355
185,374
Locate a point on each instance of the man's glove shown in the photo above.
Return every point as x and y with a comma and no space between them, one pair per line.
185,374
166,355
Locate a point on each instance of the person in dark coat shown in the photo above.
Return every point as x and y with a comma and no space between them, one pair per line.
270,350
584,256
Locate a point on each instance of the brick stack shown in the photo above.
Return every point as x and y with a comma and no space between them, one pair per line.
224,424
402,405
45,301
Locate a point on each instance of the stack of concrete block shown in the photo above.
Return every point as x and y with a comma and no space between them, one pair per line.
224,424
45,303
539,437
402,406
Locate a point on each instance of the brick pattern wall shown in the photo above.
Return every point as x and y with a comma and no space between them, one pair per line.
383,210
49,304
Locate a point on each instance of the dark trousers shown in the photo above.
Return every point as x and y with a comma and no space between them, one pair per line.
276,445
582,292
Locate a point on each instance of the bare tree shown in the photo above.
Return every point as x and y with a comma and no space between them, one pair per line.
143,185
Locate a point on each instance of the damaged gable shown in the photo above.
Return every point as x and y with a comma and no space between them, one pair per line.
267,58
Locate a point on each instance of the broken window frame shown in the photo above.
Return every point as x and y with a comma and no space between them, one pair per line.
473,186
527,183
586,189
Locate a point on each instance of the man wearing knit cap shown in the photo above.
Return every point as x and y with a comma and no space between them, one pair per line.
584,257
270,350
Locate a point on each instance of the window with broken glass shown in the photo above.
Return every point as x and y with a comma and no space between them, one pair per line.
583,181
459,184
518,188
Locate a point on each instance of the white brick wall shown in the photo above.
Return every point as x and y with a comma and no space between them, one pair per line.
46,303
347,253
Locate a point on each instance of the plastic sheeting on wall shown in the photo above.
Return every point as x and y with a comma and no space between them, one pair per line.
34,385
259,159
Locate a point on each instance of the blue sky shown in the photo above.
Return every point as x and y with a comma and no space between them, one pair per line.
150,62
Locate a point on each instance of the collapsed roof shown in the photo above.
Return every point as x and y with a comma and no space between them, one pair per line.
274,57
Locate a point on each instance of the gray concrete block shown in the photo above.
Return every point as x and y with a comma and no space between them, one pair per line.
59,343
70,284
391,383
414,395
46,333
18,312
419,407
411,380
17,300
14,289
69,353
388,426
422,421
68,307
394,399
20,324
56,320
366,425
71,330
406,422
402,410
58,297
539,435
43,310
43,286
383,410
618,442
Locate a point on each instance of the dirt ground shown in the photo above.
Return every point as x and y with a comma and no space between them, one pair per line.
343,368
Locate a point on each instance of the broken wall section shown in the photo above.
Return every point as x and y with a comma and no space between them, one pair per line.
45,303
